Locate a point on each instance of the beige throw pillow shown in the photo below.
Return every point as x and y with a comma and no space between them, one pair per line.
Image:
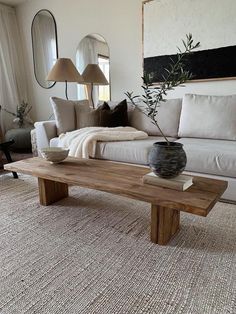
208,117
64,112
168,119
87,119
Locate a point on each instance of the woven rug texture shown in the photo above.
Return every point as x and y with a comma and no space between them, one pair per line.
91,253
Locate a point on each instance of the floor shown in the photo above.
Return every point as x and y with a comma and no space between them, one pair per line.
90,253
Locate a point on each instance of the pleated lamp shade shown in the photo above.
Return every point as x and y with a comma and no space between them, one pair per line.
64,71
93,74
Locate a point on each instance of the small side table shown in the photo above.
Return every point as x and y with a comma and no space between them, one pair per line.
4,147
21,137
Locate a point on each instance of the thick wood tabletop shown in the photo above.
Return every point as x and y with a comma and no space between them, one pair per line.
125,180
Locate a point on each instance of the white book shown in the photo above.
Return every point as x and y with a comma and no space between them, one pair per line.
180,183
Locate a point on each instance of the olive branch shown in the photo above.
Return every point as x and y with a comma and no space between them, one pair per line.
174,76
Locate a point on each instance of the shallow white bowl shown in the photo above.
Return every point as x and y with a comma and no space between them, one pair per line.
54,154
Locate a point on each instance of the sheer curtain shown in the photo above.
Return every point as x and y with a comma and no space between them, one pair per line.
12,76
87,53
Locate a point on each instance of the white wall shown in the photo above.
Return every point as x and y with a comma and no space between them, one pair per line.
119,22
212,22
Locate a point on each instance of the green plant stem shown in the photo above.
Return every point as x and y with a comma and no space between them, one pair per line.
176,76
156,124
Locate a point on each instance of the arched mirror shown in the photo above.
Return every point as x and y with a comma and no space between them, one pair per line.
93,49
44,43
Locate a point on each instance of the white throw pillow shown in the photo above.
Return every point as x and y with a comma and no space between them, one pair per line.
208,117
168,119
64,112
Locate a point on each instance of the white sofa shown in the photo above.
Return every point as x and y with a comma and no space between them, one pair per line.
205,125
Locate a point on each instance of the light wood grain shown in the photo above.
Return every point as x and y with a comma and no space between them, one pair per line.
125,180
165,223
51,191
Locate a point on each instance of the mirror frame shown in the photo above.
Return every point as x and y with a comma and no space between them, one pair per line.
32,39
109,57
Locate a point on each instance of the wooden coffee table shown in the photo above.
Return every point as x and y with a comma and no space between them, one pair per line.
125,180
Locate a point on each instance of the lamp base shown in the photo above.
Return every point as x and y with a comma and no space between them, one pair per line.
90,95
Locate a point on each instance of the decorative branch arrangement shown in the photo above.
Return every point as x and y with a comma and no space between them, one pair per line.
21,114
175,76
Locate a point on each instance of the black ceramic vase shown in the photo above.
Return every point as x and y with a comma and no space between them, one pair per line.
167,161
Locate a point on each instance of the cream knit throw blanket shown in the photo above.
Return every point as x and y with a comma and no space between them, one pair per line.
82,142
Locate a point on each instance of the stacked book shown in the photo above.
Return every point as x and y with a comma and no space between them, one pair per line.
180,183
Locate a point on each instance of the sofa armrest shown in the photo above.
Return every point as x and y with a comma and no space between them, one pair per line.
45,131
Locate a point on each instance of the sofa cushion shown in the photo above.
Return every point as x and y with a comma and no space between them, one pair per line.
135,152
168,119
208,117
216,157
118,116
89,118
113,103
64,112
104,116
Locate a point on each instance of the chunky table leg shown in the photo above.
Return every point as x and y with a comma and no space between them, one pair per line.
164,224
51,191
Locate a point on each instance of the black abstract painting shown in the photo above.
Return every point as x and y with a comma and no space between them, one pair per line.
205,64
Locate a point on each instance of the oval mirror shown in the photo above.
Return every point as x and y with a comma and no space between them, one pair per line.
93,49
44,43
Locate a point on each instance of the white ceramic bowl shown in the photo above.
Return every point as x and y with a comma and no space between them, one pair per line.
54,154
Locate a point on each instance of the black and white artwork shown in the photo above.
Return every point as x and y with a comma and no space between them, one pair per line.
166,22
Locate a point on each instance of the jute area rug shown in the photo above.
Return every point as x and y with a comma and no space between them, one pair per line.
91,253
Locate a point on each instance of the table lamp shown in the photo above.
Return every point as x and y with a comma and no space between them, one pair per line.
64,71
93,75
